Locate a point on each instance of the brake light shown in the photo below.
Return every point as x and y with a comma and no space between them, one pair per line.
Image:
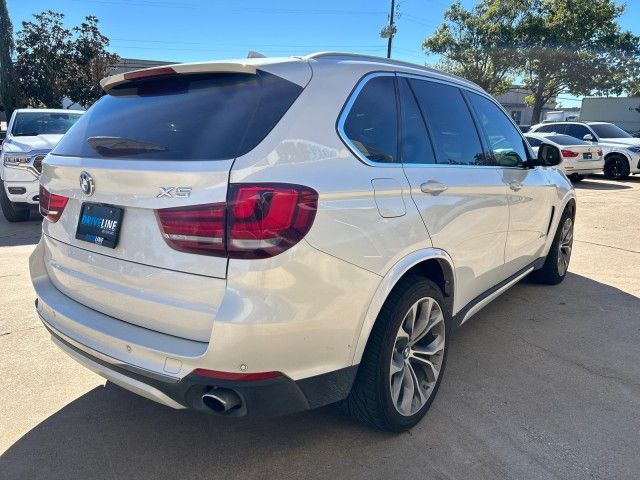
569,153
150,73
51,205
258,221
194,229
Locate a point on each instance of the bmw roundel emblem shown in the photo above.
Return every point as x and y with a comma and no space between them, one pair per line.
86,184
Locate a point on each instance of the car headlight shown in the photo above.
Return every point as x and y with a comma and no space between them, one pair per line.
16,159
634,149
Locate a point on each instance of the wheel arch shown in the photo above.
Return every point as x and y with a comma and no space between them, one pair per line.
432,263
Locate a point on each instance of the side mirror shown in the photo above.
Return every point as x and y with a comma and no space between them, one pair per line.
588,138
548,155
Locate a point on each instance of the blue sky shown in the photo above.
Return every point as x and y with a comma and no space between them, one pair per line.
192,30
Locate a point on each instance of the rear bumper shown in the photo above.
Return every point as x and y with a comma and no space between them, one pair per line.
160,367
263,398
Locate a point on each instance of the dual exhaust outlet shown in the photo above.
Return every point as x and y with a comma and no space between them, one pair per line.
222,400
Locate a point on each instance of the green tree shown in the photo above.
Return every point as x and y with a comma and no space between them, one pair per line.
90,62
574,46
44,49
477,44
8,84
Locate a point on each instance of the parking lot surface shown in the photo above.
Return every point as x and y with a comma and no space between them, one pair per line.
542,383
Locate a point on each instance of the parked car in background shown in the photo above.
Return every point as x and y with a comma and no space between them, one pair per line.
269,235
621,150
524,128
579,158
31,134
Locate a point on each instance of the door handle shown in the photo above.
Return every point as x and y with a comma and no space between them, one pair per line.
515,186
433,187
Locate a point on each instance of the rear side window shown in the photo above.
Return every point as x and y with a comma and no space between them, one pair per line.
372,122
505,141
454,133
415,143
553,128
185,117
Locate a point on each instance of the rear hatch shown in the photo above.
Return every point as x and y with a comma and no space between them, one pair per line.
158,140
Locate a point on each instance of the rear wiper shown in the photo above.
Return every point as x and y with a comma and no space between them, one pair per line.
116,146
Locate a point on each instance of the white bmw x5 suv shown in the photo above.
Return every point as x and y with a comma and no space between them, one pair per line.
263,236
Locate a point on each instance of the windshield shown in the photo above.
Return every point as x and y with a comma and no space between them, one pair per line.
566,140
609,130
27,124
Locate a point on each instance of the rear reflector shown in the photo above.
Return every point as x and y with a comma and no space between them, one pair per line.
51,205
234,376
258,221
569,153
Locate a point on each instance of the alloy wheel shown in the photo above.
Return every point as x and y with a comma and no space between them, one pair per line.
417,356
565,245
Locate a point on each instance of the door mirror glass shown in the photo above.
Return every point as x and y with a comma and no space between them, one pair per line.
588,137
548,155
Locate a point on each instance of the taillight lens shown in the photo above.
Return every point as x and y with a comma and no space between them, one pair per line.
195,229
51,205
599,152
257,221
569,153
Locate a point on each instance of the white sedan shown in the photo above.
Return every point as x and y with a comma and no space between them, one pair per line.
579,158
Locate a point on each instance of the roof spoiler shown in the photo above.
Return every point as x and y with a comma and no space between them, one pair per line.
178,69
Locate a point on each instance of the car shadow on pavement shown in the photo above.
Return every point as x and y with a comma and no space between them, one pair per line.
20,233
601,184
542,383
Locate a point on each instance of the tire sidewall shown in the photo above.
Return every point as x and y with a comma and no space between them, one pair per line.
422,288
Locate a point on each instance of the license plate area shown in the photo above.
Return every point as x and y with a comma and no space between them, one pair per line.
99,224
587,156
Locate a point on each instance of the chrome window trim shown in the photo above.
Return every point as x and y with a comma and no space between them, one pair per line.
358,154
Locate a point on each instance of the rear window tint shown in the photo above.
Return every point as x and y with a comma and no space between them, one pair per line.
186,117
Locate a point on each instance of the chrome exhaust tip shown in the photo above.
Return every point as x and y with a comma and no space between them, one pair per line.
222,400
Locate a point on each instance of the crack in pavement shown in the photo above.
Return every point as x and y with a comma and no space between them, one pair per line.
607,246
21,330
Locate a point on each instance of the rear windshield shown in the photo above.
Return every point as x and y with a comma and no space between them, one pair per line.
185,117
27,124
566,140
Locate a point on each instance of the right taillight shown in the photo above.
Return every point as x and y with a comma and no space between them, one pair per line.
257,221
51,205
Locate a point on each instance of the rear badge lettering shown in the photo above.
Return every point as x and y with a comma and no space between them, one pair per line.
178,192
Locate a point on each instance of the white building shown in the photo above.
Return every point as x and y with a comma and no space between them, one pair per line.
623,111
513,102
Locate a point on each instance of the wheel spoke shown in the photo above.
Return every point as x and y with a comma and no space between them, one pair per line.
408,390
417,389
427,366
423,322
436,346
397,382
409,322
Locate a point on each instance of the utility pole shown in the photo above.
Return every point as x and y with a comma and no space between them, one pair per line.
391,27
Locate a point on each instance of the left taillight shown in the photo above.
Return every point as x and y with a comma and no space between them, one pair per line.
51,205
256,221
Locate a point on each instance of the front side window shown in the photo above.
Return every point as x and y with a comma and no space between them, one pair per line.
27,124
372,122
454,133
609,130
505,141
534,142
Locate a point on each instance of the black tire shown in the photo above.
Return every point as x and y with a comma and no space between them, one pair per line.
616,167
370,399
576,178
10,210
551,272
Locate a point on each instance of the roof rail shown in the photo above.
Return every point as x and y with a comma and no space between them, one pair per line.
389,61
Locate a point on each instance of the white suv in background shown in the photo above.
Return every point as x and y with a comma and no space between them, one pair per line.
263,236
621,150
31,134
